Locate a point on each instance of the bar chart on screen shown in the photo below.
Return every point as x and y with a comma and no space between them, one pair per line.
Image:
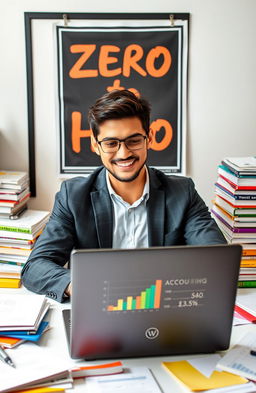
132,295
150,295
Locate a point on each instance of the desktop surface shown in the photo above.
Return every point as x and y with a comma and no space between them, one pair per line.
55,339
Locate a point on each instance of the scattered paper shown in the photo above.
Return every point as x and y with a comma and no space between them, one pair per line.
135,380
239,361
32,364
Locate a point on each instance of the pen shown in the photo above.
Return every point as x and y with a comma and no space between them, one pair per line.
5,358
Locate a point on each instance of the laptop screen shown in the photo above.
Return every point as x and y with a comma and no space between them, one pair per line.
154,301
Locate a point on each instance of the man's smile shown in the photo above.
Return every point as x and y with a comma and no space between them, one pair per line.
127,163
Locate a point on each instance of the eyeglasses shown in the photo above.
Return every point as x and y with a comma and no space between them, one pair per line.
112,145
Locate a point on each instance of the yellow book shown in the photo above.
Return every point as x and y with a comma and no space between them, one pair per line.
194,380
10,282
41,390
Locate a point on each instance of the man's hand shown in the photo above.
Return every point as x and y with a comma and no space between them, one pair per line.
68,290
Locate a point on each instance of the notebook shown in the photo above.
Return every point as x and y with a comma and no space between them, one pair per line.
153,301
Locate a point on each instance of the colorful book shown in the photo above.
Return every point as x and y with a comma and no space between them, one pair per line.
10,282
12,195
99,369
14,251
10,271
247,203
10,342
243,181
12,210
43,327
247,284
247,196
233,188
234,210
230,225
241,165
234,222
30,222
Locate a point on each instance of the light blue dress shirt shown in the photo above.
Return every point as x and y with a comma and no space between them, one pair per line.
130,228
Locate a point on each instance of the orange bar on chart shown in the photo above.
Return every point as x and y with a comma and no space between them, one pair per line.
158,293
137,302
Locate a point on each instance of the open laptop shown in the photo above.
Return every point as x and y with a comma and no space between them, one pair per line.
154,301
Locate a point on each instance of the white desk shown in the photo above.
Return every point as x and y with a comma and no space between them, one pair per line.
56,339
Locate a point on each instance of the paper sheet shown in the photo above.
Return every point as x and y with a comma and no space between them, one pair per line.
135,380
33,363
239,360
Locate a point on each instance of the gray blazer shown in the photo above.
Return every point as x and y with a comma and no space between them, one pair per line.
82,217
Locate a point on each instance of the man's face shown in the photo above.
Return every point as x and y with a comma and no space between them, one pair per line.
125,164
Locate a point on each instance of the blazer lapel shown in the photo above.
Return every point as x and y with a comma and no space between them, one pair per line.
102,209
155,211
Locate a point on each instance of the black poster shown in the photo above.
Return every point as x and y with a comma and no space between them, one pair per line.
150,61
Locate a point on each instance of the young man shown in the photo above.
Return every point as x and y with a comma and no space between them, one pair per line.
124,204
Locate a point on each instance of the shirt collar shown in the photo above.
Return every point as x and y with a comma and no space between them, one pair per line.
145,194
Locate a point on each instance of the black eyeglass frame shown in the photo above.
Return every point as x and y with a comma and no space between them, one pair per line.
120,141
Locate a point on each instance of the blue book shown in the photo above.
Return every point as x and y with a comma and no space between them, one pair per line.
27,335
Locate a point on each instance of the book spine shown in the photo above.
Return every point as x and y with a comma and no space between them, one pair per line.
245,197
230,168
246,284
14,229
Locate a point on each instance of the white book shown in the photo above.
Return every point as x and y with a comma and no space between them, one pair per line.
242,163
12,177
22,311
13,258
13,196
34,365
29,221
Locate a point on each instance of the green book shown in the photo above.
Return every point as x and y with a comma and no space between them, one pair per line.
246,284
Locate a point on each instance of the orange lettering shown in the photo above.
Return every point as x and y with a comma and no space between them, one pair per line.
165,142
152,56
77,133
76,71
105,59
131,60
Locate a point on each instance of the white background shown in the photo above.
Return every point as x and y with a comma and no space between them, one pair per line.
221,86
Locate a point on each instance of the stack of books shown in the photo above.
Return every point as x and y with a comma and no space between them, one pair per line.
14,193
234,209
17,238
34,365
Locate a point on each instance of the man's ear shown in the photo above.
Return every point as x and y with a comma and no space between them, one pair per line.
95,145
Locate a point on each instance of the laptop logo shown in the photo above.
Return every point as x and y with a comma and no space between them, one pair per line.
152,333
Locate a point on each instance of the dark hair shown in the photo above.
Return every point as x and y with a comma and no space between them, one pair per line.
119,105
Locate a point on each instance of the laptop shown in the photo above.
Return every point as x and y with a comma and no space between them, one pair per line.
152,301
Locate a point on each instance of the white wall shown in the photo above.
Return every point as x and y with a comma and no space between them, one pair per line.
221,83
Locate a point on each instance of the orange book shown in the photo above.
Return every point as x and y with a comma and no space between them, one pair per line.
248,252
10,342
99,369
